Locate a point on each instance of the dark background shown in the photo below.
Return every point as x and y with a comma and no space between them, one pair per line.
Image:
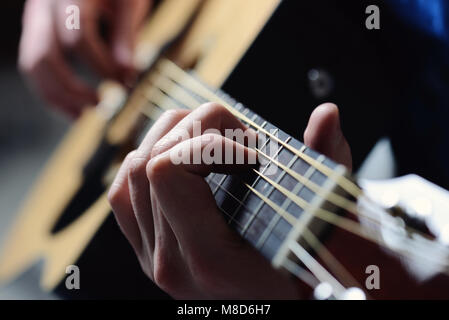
362,63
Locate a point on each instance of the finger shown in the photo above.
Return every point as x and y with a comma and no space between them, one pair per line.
86,41
93,48
210,117
56,83
119,198
138,182
324,134
184,196
61,86
169,270
43,64
129,18
189,206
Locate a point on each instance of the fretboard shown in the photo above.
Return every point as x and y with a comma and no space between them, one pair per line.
252,204
250,215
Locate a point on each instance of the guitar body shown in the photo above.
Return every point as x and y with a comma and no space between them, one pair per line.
263,55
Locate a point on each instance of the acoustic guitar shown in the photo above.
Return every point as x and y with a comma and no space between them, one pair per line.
344,238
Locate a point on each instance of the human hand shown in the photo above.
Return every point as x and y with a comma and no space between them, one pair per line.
45,43
169,214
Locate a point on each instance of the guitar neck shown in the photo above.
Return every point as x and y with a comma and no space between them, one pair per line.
248,210
276,202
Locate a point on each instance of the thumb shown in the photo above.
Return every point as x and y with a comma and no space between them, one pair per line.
129,16
323,134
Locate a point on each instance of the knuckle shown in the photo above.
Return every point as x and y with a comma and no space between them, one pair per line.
115,196
158,168
164,271
213,108
116,192
159,147
137,168
112,196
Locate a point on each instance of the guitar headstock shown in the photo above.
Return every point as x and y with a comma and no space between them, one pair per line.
411,208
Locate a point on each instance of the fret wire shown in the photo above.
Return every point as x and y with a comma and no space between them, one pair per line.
292,220
262,203
236,199
180,75
238,106
343,182
271,190
210,177
348,208
164,99
339,221
226,176
244,113
302,274
257,178
264,145
249,210
331,261
334,198
224,211
220,184
276,219
296,190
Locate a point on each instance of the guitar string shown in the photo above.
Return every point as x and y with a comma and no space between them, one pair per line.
328,216
193,104
168,87
334,198
324,215
321,250
330,264
335,266
302,274
246,120
346,227
305,276
168,68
